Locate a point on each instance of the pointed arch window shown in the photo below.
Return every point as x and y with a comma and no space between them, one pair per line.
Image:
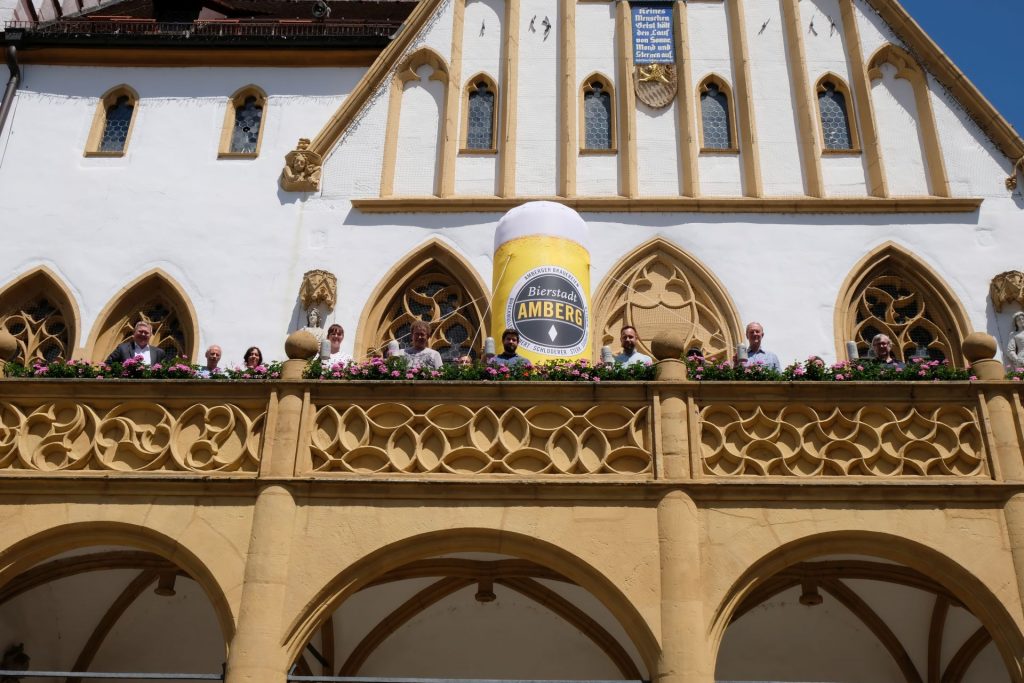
834,103
243,124
598,115
112,124
717,124
478,125
38,312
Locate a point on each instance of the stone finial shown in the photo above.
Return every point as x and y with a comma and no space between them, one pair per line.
1007,288
318,287
301,345
665,346
979,346
301,169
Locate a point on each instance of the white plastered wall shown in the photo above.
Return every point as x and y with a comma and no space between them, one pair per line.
483,36
419,135
537,105
708,29
596,174
774,107
844,174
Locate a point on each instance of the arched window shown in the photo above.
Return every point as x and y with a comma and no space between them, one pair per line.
481,101
433,284
598,114
890,292
837,130
112,123
157,299
38,312
718,131
243,124
660,288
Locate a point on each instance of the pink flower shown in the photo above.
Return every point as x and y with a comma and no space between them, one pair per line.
799,372
861,368
597,379
973,378
1016,378
840,378
396,373
922,373
335,374
435,373
409,375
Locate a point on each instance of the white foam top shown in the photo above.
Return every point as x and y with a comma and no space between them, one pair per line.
542,218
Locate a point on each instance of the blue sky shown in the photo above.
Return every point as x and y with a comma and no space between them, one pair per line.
982,37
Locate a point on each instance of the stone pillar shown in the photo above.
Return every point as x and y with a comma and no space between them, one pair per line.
685,650
674,447
256,655
980,350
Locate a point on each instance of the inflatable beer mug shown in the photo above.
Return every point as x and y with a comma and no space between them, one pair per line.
542,281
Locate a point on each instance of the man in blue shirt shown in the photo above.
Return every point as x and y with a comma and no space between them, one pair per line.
628,337
510,343
756,354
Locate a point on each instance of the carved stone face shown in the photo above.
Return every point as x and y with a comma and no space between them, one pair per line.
1018,322
313,318
299,163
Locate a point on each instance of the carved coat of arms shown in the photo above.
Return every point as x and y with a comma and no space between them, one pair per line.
655,84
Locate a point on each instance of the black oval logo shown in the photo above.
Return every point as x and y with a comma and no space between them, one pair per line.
549,310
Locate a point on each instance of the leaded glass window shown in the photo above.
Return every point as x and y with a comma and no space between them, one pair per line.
714,109
597,117
480,132
246,132
115,129
835,124
439,299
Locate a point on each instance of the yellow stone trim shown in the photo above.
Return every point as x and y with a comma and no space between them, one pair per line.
723,87
44,281
102,337
405,73
454,102
891,256
237,100
469,87
747,126
585,87
687,112
877,183
509,90
851,123
908,69
99,121
626,101
432,253
569,147
808,140
779,205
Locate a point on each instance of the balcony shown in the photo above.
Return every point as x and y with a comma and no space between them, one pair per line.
629,433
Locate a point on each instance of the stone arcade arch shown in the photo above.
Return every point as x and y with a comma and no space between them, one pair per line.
41,313
434,281
108,573
526,566
660,288
820,568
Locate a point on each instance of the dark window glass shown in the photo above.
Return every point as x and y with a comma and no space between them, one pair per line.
115,130
480,134
834,122
714,109
597,117
247,126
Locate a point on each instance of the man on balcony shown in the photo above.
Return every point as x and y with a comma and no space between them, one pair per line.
510,344
138,346
757,354
420,355
628,337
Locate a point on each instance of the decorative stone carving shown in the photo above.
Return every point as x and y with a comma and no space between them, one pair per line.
319,287
1011,180
314,326
1007,288
457,439
655,84
1015,345
806,441
440,299
40,329
302,169
131,436
897,307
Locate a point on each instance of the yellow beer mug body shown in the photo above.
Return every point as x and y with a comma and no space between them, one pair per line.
542,281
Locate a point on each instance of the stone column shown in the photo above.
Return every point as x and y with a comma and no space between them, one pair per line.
685,650
256,655
674,447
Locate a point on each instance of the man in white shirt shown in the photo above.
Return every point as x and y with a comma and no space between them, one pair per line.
628,337
419,355
138,346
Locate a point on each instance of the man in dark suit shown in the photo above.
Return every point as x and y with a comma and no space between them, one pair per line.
138,346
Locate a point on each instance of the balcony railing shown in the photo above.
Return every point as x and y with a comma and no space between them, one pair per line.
614,432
